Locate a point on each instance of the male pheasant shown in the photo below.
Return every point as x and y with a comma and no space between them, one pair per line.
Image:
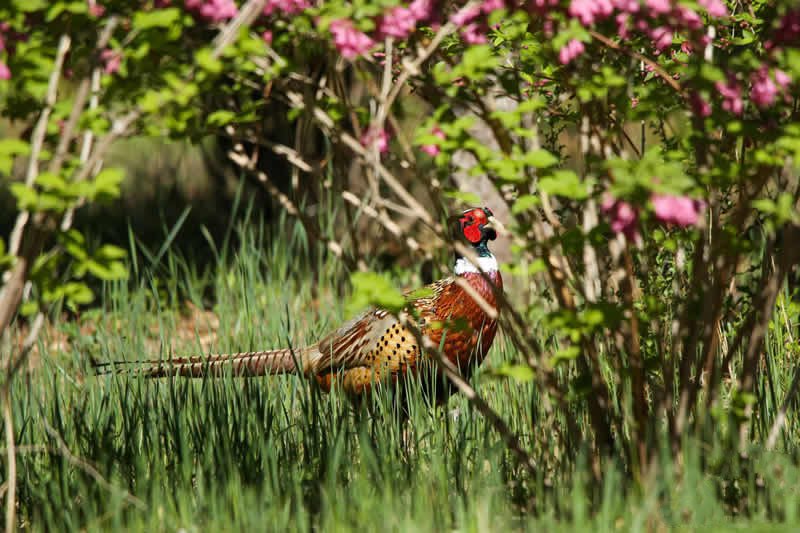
375,347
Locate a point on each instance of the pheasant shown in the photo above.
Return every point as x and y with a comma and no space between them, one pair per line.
375,347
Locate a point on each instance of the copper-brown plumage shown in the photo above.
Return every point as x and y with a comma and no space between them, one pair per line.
375,348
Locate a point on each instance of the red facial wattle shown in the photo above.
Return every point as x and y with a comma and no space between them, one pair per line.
472,233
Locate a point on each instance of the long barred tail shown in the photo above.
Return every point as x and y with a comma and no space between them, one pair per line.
245,364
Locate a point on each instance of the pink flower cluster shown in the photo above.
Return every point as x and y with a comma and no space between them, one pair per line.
668,209
8,40
112,60
765,87
471,20
349,40
658,19
731,93
573,49
375,138
398,22
433,149
788,33
680,211
286,7
622,216
95,9
212,10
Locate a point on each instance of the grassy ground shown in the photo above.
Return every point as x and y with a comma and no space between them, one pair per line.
270,453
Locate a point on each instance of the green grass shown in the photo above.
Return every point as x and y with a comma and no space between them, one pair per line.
271,453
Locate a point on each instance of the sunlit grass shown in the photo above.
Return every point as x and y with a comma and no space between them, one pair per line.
273,453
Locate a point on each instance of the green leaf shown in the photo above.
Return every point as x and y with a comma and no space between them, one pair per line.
29,308
419,294
10,148
157,18
221,118
14,147
207,61
107,182
540,159
370,288
524,202
51,182
519,373
564,183
565,354
27,198
466,198
109,251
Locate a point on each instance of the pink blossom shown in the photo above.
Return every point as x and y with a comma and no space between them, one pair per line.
731,96
714,8
474,33
659,7
421,9
373,138
111,59
466,14
662,38
628,6
489,6
623,217
218,10
699,105
763,90
681,211
350,42
622,25
788,31
782,79
689,18
5,72
433,149
587,11
95,9
398,22
286,7
571,50
634,102
266,36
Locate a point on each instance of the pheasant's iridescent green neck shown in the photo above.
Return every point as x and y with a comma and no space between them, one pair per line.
482,249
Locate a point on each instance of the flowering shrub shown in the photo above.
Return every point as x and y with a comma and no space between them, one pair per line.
632,145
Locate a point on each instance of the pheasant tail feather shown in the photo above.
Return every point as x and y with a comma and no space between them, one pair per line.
245,364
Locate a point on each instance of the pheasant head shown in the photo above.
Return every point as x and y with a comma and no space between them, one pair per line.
475,227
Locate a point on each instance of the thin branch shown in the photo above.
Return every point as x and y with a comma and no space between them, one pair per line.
658,69
37,140
89,469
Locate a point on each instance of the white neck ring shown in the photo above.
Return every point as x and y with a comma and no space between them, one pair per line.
486,264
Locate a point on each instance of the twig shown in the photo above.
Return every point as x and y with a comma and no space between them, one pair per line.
663,74
472,396
90,469
37,141
247,164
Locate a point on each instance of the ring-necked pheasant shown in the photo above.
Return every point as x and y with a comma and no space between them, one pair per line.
375,347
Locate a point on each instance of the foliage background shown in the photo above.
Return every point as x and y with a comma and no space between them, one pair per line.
641,154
